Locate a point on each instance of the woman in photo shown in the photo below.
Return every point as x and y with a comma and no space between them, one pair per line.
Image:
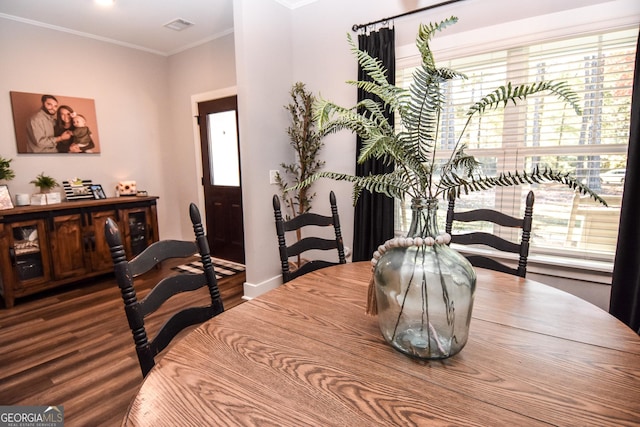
64,122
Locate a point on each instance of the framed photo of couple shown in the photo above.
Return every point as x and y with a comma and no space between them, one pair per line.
50,123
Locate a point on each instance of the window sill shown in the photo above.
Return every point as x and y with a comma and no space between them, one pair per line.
554,266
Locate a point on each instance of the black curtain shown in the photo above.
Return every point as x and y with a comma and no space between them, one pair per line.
625,286
373,222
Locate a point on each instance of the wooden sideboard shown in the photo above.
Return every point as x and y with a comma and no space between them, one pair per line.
42,247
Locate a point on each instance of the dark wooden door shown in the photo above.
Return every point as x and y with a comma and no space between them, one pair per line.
218,121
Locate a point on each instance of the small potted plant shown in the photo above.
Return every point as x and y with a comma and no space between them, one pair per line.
45,183
6,173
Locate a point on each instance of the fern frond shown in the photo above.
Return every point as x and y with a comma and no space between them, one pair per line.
391,184
504,94
378,146
374,113
425,32
390,95
449,74
456,186
331,118
370,65
421,118
468,163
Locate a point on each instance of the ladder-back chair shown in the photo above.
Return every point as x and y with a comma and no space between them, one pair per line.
309,243
147,348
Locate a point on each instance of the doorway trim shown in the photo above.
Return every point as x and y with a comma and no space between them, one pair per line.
195,99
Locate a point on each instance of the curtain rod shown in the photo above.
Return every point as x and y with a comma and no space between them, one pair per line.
356,27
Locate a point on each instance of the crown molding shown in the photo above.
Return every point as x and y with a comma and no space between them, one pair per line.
295,4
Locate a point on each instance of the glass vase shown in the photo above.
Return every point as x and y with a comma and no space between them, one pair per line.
424,289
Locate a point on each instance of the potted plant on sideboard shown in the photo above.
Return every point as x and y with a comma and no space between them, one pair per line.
45,183
6,173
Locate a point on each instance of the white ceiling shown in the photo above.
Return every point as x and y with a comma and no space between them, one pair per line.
133,23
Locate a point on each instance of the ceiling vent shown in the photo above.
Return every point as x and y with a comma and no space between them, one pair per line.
178,24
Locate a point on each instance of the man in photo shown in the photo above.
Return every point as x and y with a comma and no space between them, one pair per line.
40,133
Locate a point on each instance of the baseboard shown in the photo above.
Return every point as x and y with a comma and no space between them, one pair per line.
252,290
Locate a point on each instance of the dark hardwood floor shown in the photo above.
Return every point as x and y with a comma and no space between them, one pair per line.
73,347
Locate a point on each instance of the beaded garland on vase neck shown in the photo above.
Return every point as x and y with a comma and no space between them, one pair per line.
422,290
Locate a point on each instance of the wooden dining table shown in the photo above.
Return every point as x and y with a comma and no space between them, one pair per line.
306,354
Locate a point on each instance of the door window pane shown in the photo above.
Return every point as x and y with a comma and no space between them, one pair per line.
223,149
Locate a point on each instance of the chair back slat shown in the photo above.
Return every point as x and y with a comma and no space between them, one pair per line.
177,323
310,243
159,251
308,267
489,215
166,288
306,219
491,264
487,239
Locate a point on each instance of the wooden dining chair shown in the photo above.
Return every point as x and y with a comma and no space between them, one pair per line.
147,348
491,240
307,243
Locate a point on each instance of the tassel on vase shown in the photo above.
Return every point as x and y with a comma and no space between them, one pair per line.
372,305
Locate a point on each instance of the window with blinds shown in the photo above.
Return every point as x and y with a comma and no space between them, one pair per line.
542,130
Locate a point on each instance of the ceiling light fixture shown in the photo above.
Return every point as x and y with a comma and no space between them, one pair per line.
105,2
178,24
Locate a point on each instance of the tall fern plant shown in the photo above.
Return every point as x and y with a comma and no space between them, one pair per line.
413,146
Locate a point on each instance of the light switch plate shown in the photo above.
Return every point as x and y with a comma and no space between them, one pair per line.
272,176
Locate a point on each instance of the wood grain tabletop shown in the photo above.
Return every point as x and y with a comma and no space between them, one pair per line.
306,354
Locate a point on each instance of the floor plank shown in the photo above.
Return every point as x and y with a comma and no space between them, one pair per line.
72,346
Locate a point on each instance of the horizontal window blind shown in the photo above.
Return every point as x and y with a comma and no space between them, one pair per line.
542,130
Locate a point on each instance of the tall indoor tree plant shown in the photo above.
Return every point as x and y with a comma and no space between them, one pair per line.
424,289
306,142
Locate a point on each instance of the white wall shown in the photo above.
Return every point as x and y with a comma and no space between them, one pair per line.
263,71
199,70
142,105
128,87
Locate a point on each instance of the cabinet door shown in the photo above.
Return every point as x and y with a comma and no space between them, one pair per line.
99,249
28,254
137,230
69,246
